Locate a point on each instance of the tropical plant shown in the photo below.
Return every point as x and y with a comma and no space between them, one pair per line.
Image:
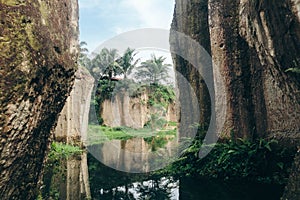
83,55
105,64
127,62
295,70
153,71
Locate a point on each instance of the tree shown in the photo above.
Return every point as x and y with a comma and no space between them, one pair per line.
83,57
153,71
105,64
127,62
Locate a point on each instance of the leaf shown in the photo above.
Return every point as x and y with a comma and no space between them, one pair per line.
280,165
231,151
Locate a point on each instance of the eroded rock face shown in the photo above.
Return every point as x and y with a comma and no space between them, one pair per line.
252,44
38,53
133,112
191,19
73,120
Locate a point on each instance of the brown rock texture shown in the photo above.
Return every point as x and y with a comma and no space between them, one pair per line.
38,54
191,19
252,44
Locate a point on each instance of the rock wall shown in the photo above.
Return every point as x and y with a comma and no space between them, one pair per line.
252,44
248,42
38,54
72,123
133,112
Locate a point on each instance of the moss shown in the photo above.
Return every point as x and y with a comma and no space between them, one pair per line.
44,11
31,37
13,2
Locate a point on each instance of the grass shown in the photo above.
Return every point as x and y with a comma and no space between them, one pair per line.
98,134
60,150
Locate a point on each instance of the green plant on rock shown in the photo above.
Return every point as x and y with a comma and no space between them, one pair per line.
161,94
61,150
241,159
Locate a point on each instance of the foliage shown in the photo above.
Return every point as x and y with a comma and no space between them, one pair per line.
99,134
128,86
127,61
256,161
105,64
153,71
156,121
83,57
61,150
295,70
161,94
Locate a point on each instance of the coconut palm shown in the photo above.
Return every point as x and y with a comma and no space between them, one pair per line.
83,57
127,62
105,63
153,70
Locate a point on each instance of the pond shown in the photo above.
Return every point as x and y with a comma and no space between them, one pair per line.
85,177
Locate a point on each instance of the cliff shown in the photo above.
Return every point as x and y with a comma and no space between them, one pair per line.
248,42
38,54
73,120
134,112
252,45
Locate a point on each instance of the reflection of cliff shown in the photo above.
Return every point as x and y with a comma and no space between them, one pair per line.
135,155
69,180
133,112
73,121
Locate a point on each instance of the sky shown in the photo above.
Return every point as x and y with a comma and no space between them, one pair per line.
100,20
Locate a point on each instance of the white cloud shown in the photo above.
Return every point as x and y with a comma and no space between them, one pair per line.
103,19
152,14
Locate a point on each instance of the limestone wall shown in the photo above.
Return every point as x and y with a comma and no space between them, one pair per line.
133,112
73,120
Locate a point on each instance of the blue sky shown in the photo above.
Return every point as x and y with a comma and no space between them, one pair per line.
103,19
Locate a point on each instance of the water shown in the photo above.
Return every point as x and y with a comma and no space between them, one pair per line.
84,177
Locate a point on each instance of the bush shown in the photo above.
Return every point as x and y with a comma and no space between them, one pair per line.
260,161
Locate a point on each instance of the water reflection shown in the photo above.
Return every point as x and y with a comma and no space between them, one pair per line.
107,183
84,177
67,179
136,155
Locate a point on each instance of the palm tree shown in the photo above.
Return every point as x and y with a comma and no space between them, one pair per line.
83,58
127,62
105,63
153,70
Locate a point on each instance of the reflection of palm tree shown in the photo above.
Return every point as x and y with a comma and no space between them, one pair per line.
153,70
127,62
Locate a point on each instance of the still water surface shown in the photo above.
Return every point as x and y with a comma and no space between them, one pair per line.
84,177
